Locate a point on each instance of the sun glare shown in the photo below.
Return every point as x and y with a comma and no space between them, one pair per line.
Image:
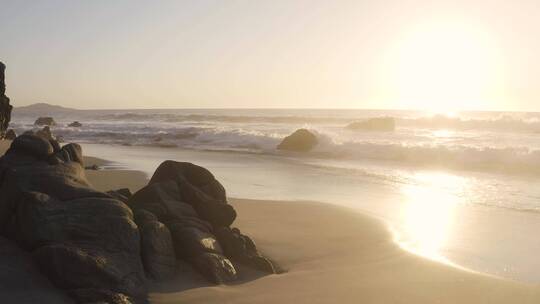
443,67
429,213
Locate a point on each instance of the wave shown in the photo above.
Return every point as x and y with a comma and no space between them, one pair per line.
519,160
469,157
502,122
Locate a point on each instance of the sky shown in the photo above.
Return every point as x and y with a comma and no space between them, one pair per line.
380,54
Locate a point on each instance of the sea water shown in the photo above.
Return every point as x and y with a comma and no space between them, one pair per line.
456,187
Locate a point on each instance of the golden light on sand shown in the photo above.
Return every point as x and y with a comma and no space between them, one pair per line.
429,213
443,67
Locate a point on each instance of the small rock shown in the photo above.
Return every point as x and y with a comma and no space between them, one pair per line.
10,134
301,140
45,121
382,124
92,167
75,124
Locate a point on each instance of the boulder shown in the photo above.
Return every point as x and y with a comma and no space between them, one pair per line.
10,134
157,251
80,238
45,121
101,296
75,124
45,133
5,107
301,140
121,194
192,204
382,124
20,279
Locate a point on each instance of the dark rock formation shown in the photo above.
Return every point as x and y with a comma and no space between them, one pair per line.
121,194
45,133
92,246
382,124
10,134
75,124
5,107
20,279
45,121
301,140
81,239
193,205
157,249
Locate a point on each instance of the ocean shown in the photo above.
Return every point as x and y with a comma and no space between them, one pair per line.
455,187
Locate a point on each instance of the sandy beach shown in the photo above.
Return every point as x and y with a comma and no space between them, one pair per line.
331,255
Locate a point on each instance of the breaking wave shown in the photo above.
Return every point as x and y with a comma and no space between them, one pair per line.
514,122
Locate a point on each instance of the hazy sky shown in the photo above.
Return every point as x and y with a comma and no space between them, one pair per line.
438,55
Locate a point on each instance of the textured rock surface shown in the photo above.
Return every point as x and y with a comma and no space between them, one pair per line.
10,134
93,246
157,249
80,238
5,107
193,205
20,280
301,140
45,121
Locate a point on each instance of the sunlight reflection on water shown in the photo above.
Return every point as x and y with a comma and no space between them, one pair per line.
429,213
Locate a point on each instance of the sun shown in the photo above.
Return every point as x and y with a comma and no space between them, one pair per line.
443,67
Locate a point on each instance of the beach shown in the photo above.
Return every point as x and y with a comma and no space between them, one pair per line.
331,254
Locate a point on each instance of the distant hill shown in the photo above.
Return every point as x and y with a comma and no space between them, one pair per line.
42,108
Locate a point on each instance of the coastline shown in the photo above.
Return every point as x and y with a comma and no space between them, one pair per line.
330,254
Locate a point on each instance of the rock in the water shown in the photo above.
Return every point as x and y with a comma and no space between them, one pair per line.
45,121
382,124
81,238
5,107
75,124
159,259
10,134
301,140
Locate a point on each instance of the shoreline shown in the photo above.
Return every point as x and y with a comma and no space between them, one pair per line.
331,254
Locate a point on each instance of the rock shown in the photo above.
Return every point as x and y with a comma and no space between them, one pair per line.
157,251
195,175
33,145
10,134
193,206
45,133
301,140
20,279
95,295
121,194
199,188
242,248
382,124
215,267
5,107
45,121
92,167
80,238
75,124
